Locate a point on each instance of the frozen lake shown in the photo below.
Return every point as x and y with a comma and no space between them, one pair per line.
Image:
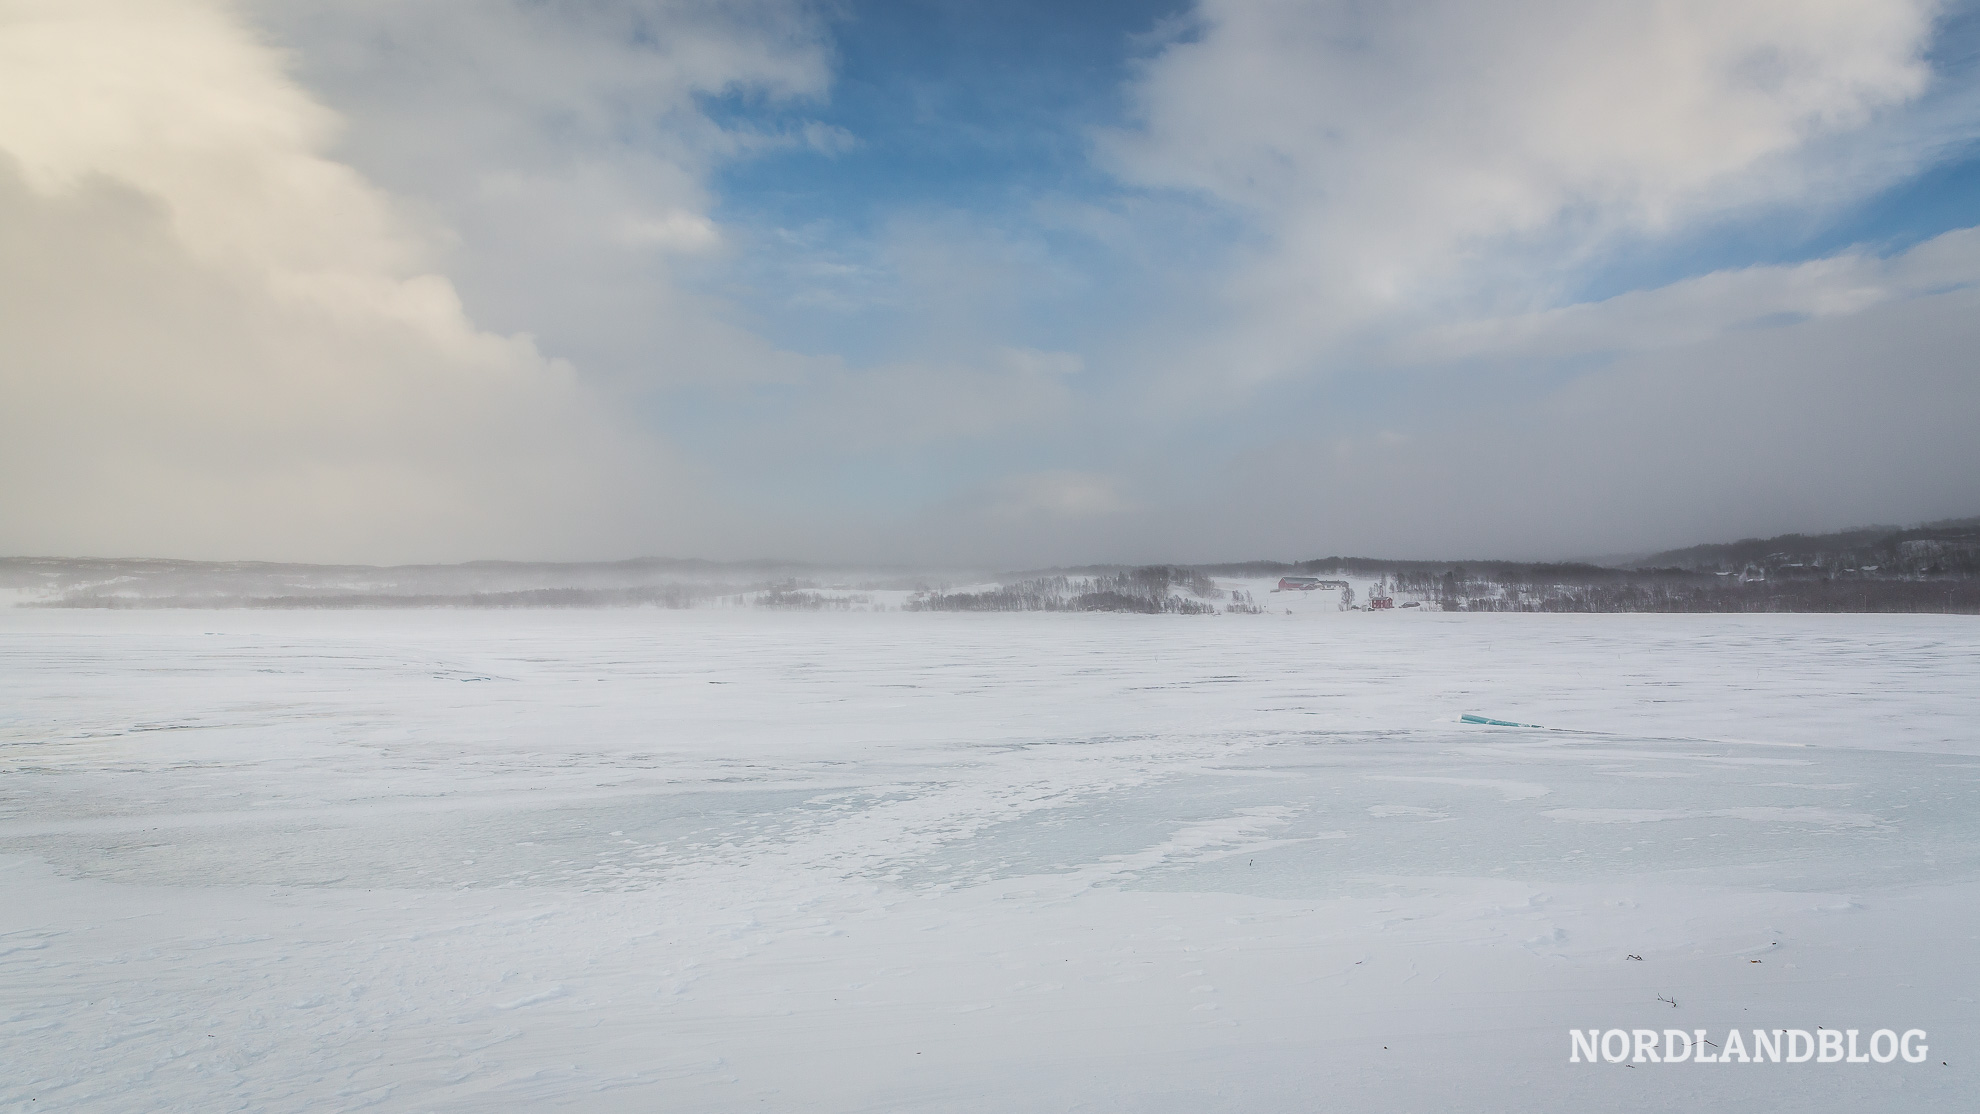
713,860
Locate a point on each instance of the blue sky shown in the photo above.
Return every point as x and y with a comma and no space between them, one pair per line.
957,114
1014,283
988,112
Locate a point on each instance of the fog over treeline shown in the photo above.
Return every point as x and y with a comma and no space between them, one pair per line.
1933,567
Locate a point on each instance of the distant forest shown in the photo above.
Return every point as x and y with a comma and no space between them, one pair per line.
1929,568
1150,590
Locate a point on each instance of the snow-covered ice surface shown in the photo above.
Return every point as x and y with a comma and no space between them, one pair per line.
730,860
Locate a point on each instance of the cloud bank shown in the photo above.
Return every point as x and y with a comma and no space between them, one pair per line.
222,341
437,280
1423,160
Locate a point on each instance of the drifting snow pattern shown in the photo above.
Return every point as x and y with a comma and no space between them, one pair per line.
744,859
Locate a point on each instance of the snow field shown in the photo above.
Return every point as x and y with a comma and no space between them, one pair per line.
735,860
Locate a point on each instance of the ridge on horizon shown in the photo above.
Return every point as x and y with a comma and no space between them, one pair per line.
1846,538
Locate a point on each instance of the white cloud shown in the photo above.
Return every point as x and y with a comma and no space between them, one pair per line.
1697,309
677,231
565,146
176,99
1414,159
231,330
222,342
225,339
1822,423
